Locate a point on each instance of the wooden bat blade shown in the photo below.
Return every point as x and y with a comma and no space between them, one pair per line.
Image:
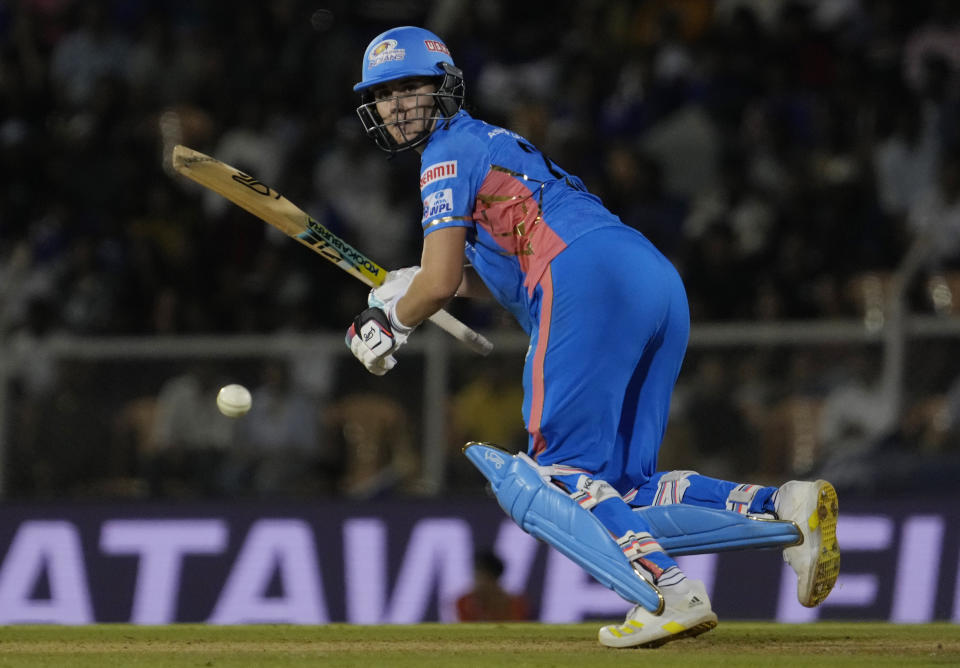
242,189
270,206
273,208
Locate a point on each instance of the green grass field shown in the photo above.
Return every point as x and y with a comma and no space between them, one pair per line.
481,645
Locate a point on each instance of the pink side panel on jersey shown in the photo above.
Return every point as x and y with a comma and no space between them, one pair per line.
508,210
543,338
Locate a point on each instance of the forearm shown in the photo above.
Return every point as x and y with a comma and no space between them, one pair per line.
425,297
440,274
422,300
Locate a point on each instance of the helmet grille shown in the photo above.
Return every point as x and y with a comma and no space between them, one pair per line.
447,101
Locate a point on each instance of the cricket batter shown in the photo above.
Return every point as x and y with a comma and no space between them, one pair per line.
607,317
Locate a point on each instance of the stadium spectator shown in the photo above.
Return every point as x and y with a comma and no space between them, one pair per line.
378,455
688,69
488,601
838,113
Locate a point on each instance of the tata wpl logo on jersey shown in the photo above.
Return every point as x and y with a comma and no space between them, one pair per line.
438,203
385,52
441,170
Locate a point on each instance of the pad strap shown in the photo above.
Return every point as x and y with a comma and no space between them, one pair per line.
636,544
671,487
591,491
740,498
547,472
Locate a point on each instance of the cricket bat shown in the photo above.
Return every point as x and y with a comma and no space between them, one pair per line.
273,208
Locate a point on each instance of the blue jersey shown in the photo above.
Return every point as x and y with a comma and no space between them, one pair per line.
554,256
521,209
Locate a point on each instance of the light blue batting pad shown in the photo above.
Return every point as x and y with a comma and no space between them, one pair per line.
547,513
684,529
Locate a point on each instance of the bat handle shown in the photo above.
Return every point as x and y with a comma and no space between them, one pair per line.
478,342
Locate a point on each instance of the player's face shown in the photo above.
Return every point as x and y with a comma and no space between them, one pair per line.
406,107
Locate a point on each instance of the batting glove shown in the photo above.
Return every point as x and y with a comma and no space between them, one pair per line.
372,339
376,333
392,289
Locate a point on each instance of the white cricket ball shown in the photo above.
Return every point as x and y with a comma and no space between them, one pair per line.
234,400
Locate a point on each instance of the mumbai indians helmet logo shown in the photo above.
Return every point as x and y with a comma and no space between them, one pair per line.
385,52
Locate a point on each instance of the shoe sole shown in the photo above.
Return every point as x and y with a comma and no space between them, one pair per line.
699,629
695,630
828,561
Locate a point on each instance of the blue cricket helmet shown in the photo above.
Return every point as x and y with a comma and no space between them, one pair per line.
403,52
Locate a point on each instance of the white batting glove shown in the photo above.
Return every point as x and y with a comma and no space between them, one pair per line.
393,288
377,332
372,340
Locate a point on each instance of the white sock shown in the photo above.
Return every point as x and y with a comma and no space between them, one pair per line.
671,577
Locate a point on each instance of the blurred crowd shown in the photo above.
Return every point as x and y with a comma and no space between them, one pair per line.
783,153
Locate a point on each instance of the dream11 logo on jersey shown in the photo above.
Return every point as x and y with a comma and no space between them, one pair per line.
441,170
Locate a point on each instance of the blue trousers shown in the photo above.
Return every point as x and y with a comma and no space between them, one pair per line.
611,324
610,329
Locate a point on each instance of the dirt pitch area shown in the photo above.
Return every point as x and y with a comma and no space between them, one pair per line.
481,645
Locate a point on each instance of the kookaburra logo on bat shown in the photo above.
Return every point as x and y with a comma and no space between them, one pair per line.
336,248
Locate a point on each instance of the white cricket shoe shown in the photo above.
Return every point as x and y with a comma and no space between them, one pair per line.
812,506
686,613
